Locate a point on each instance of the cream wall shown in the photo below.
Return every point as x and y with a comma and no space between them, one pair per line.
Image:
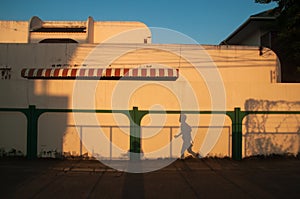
137,32
245,76
14,32
96,32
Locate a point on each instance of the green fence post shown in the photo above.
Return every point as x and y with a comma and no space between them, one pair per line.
135,133
32,126
237,134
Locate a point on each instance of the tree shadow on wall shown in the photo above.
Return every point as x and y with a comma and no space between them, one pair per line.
267,134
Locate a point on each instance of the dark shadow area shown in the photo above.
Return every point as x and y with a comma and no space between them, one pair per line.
50,139
12,137
205,178
133,186
39,93
19,172
61,29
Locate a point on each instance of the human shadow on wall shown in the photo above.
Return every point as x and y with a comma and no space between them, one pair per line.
267,134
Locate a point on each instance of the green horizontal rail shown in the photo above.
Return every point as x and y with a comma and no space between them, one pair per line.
135,117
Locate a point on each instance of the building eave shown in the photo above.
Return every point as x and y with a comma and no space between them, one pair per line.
244,25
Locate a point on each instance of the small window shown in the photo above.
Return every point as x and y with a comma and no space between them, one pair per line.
64,40
62,29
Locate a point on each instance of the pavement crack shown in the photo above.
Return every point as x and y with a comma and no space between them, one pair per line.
96,184
227,179
185,178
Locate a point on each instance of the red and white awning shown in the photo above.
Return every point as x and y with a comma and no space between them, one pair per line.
101,73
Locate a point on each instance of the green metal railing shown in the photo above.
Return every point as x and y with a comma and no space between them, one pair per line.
135,117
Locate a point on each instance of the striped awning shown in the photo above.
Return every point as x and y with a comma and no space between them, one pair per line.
101,73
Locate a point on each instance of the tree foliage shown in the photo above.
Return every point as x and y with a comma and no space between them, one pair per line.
288,36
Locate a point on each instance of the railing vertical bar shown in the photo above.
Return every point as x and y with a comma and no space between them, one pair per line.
171,134
80,142
110,144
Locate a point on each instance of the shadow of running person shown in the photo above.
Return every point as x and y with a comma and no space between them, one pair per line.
185,132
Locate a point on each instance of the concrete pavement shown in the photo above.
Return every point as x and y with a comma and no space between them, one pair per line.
192,178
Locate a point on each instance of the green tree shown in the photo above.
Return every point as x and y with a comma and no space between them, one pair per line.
287,41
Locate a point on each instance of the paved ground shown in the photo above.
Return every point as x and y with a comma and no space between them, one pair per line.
202,178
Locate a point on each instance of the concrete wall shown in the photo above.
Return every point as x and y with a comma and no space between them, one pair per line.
14,31
244,75
96,32
132,32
